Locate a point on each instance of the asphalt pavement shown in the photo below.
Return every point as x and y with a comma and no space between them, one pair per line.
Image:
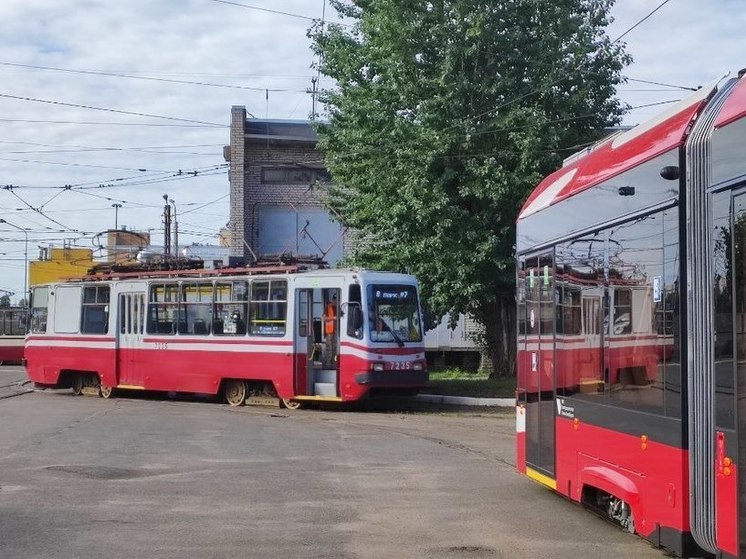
13,381
145,476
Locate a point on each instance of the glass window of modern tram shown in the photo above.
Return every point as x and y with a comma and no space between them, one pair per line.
521,295
667,315
635,352
547,296
163,308
196,304
580,279
95,310
729,243
738,268
522,354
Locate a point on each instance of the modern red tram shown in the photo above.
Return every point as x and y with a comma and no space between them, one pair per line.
282,332
632,327
12,334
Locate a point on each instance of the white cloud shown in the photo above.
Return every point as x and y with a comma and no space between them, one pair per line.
687,42
195,40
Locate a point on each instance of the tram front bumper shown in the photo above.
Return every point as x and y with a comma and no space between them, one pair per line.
393,378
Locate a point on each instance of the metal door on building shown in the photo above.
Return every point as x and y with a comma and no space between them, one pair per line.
302,231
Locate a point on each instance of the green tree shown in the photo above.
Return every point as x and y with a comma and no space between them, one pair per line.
445,115
4,301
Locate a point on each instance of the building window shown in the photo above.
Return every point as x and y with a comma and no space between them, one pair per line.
293,175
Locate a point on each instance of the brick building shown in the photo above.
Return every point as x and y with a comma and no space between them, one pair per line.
278,202
278,205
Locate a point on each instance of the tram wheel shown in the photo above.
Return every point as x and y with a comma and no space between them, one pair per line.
292,404
105,391
235,392
77,384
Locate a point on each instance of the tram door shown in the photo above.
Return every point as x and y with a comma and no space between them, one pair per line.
540,383
316,342
130,330
730,390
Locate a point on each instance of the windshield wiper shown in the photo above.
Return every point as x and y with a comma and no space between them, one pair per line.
394,335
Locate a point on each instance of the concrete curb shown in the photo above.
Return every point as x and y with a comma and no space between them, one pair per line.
464,401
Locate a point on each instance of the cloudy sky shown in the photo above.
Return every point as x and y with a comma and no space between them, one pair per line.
105,102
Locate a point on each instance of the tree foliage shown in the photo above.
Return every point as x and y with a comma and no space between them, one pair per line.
4,301
446,114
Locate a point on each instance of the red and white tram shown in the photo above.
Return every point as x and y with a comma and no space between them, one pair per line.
281,332
12,334
632,327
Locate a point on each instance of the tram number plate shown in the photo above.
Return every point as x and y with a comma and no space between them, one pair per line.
398,365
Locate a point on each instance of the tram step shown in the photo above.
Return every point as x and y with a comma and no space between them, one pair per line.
325,376
263,401
324,389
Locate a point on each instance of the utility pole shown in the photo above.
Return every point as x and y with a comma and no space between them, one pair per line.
166,227
116,214
176,231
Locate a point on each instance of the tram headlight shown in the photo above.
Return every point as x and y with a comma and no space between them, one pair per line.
378,366
417,366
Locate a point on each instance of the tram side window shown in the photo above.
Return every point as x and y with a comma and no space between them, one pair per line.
728,234
95,310
230,310
580,280
268,308
39,309
196,309
354,298
163,309
668,315
521,302
636,353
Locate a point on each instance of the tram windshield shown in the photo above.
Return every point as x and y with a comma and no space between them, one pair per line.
393,314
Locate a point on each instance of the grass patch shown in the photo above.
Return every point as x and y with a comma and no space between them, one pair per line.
455,382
